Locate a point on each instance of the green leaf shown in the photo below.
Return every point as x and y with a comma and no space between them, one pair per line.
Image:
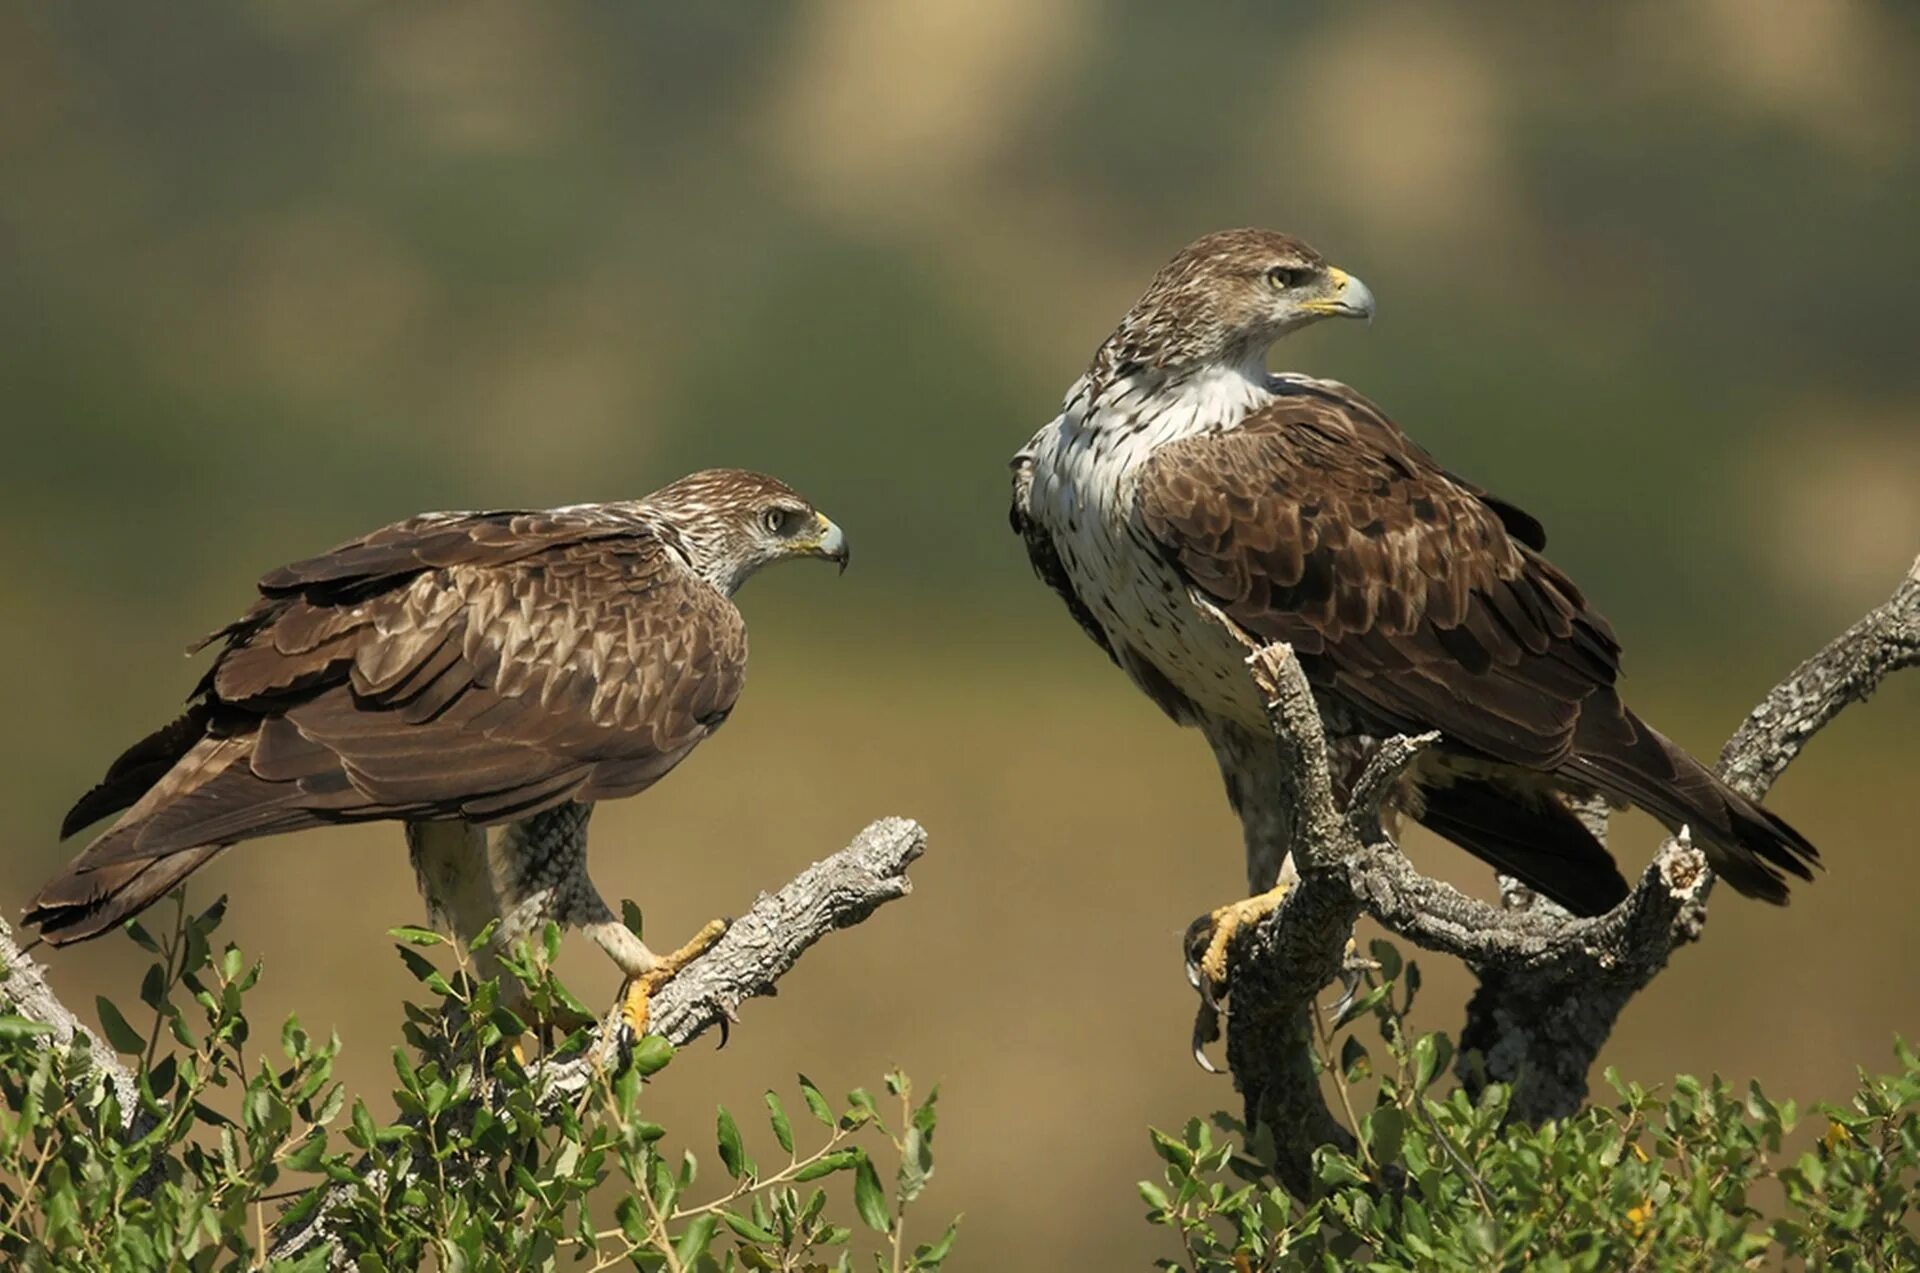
733,1155
694,1242
12,1027
651,1055
330,1107
777,1115
816,1103
362,1135
627,1213
1170,1149
630,916
930,1255
869,1198
1384,1130
115,1027
153,987
916,1164
827,1164
747,1228
307,1156
927,1116
1335,1168
1353,1057
416,936
1362,1005
1386,956
1430,1054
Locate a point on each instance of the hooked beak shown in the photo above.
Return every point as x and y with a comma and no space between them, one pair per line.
828,541
1346,297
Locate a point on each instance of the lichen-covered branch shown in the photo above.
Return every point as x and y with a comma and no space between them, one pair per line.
760,946
24,991
1551,985
1847,671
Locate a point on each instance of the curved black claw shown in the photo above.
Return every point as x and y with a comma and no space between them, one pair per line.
1198,937
1206,1029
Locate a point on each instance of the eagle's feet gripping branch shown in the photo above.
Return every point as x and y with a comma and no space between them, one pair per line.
1209,947
636,996
1209,944
1210,938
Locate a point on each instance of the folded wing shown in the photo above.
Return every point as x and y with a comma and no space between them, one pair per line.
475,666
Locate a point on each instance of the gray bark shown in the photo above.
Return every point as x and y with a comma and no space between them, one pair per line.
1551,986
24,991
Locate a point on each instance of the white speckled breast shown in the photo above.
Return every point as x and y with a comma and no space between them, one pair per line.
1086,466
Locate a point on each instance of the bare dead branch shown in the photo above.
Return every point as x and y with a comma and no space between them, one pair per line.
1551,985
763,944
1847,671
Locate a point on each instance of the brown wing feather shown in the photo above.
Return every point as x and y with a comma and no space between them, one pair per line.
1320,524
1417,601
482,667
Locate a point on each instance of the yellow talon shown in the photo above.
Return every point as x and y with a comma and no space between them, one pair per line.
1227,922
635,999
634,1006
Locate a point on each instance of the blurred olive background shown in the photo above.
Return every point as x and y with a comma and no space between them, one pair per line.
274,273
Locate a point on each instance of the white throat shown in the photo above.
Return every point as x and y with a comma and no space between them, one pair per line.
1085,472
1155,410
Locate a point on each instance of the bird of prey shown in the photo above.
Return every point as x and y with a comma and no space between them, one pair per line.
456,672
1182,484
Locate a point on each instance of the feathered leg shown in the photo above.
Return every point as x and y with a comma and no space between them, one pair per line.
539,866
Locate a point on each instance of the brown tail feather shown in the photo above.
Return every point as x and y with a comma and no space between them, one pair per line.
76,905
1751,848
1530,837
186,796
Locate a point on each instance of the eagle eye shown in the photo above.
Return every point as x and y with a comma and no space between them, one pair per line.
1288,276
782,520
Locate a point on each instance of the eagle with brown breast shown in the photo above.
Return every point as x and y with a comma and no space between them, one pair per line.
456,672
1182,486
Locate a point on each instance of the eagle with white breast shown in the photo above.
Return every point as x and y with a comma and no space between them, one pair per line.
1183,485
456,672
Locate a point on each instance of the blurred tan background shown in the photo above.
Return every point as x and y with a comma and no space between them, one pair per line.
274,273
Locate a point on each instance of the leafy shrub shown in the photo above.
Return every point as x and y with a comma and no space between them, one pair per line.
484,1169
1684,1178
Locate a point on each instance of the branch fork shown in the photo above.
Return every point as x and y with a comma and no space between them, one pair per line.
1551,985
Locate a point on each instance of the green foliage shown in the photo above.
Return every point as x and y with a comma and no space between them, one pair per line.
1690,1177
483,1169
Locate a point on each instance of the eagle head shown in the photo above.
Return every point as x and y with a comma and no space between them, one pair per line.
1226,298
731,522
